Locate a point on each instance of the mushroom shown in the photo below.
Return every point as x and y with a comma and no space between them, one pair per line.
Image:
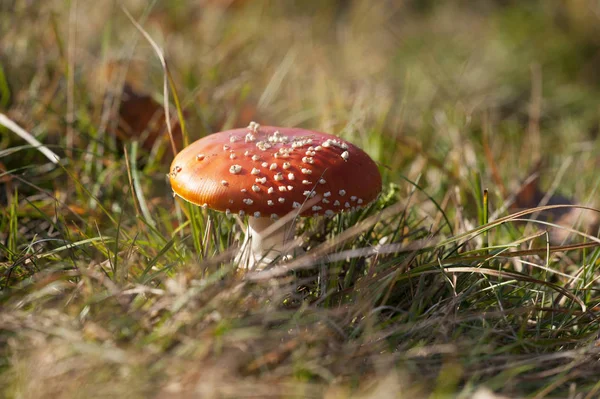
267,172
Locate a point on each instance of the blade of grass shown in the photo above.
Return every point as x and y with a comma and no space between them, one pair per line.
167,82
9,124
503,274
4,89
137,186
154,261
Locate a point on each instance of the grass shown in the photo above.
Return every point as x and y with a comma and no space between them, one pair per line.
111,288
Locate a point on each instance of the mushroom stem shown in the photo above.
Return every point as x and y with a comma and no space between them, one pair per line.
265,242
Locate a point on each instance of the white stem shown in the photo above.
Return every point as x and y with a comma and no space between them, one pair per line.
265,241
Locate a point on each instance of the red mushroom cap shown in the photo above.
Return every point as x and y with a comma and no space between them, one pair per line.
267,171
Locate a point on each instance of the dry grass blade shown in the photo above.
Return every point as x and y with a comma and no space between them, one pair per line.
510,254
166,79
504,274
516,217
9,124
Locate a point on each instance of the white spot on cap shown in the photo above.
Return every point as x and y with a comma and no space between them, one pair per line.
306,182
235,169
342,192
255,171
290,188
309,193
226,147
329,213
250,138
261,180
353,198
278,176
233,139
270,190
336,203
327,194
231,201
291,176
296,205
281,200
274,216
270,202
247,153
255,188
325,201
273,166
322,181
263,146
232,156
335,142
282,188
264,164
306,171
257,214
308,160
360,201
317,208
200,157
318,148
286,165
255,157
224,182
300,142
345,155
347,205
254,126
204,206
244,190
247,201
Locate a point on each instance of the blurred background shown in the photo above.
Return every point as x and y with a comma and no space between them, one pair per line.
436,89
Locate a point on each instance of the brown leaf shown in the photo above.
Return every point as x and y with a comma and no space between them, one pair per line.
530,195
142,118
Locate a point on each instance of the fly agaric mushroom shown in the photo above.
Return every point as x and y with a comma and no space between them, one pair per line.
266,172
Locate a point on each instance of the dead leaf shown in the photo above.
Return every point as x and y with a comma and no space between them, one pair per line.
530,195
142,118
